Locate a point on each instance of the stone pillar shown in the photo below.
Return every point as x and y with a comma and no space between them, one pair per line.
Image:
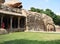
1,20
18,22
11,23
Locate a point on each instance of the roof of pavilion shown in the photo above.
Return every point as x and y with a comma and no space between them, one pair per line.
11,13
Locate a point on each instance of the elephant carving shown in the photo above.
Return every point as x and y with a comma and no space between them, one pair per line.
50,27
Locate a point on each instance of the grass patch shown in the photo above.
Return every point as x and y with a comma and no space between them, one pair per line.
30,38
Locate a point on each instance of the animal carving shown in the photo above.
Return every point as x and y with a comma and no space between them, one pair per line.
50,27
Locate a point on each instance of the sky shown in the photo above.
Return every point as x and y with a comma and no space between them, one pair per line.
54,5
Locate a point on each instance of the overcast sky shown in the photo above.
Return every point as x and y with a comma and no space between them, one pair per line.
54,5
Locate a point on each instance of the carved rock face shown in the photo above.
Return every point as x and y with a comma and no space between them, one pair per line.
39,22
14,4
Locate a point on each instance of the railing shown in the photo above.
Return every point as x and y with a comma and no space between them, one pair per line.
5,8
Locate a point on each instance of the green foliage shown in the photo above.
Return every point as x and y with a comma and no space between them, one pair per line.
49,12
36,10
33,9
30,38
57,20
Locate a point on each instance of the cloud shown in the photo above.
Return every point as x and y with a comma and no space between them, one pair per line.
58,13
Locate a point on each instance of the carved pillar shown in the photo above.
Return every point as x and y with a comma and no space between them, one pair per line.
18,22
11,23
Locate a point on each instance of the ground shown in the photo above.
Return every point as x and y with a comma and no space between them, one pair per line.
30,38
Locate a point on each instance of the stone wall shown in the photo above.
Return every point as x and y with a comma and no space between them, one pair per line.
57,28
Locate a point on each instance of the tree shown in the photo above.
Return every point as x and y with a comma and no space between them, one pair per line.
57,21
36,10
32,9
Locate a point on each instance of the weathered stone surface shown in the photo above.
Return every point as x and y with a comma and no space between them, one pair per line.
39,22
57,28
3,31
34,21
48,21
51,27
6,8
14,4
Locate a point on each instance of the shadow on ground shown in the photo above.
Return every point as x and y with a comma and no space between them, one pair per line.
22,41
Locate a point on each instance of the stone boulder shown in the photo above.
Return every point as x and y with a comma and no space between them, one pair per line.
39,21
13,3
3,31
